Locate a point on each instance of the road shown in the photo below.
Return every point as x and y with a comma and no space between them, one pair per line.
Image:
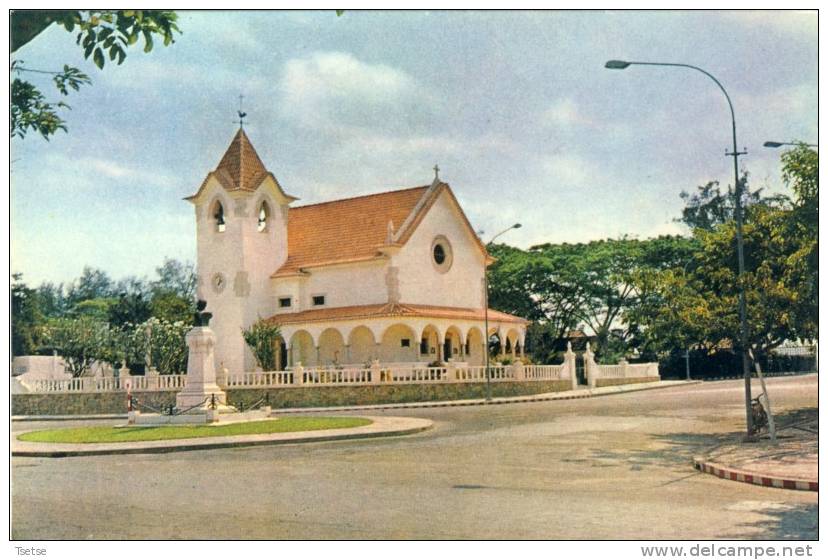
614,467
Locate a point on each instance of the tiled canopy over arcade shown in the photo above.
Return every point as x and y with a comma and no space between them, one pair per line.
396,276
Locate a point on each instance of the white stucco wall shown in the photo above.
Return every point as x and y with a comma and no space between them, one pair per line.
245,257
421,282
342,286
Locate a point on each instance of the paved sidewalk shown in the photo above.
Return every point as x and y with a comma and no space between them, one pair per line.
792,463
380,427
576,394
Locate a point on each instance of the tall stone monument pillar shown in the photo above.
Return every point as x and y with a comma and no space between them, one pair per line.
200,389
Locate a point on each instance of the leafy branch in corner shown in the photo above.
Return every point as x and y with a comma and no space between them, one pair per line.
101,34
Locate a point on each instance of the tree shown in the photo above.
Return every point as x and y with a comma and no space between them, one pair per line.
261,338
171,307
52,299
160,340
173,294
95,308
101,34
800,171
129,309
92,284
514,281
698,305
176,277
79,341
709,207
561,285
26,318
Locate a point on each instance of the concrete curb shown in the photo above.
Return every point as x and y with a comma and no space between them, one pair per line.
562,395
381,427
729,473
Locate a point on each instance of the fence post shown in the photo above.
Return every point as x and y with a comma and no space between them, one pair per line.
376,371
123,376
298,373
570,365
451,372
152,378
625,370
591,367
518,373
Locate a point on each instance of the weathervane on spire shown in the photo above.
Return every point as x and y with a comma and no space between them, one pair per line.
241,113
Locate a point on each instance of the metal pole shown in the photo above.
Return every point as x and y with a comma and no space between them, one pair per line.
486,334
486,312
743,330
740,251
687,362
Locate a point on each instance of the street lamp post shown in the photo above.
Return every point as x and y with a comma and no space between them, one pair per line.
772,144
486,313
687,349
743,331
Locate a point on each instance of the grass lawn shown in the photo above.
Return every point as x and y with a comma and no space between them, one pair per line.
106,434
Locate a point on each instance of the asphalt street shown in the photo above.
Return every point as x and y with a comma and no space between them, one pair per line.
613,467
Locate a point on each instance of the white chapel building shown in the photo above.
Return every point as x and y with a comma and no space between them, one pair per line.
396,276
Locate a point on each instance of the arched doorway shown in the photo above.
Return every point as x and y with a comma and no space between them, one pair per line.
474,347
453,344
362,347
331,348
302,349
430,345
398,344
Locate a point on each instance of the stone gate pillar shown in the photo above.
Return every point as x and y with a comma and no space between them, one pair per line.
591,367
571,365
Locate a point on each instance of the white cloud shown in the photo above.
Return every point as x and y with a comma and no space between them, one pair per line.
565,113
795,22
328,90
108,168
568,170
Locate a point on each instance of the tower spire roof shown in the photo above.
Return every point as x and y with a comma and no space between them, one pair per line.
240,167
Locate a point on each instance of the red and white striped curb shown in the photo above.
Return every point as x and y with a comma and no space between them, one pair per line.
753,478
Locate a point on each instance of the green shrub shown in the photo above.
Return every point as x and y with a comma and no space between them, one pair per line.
261,338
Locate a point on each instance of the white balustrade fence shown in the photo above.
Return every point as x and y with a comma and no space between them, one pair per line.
627,371
261,379
376,374
539,372
611,371
107,384
333,376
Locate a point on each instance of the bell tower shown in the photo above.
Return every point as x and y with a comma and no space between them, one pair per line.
241,215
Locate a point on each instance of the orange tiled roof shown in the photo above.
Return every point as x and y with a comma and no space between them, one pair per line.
240,167
347,230
391,310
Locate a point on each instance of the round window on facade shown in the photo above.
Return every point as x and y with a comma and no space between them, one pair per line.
441,255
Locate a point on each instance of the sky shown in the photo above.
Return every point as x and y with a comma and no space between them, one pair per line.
517,109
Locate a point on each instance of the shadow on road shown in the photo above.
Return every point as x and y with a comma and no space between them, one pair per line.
791,522
671,451
677,450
